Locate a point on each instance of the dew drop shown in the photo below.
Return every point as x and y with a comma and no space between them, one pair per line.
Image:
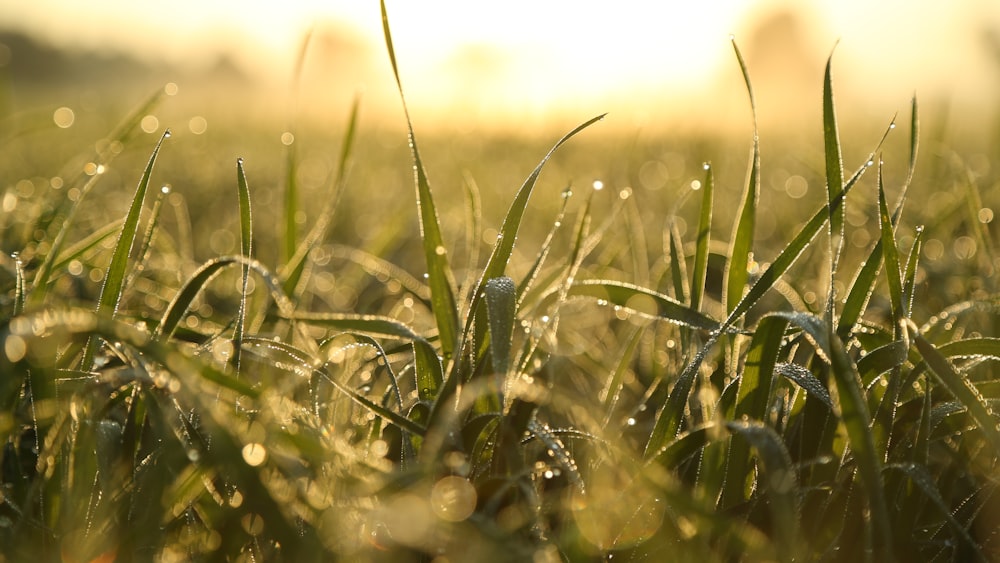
167,134
892,125
427,276
165,189
630,421
440,251
870,163
598,185
239,161
706,166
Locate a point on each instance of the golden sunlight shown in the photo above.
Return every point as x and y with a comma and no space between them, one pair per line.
471,64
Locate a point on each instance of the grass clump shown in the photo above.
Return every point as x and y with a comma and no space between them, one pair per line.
579,398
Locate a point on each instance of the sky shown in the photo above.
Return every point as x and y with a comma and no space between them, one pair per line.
544,59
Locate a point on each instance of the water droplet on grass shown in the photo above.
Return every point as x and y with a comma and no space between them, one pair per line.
598,185
165,189
167,134
440,251
706,166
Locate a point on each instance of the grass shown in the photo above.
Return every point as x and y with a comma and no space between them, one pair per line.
578,395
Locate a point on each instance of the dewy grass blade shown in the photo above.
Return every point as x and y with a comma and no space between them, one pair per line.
678,275
110,297
743,231
960,387
834,166
643,301
501,305
700,272
439,275
246,249
910,273
891,255
751,402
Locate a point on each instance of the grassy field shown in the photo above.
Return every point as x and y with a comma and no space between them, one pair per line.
596,349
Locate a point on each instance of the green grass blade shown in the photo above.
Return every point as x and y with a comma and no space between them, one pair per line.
743,231
612,390
959,386
142,253
19,291
891,255
910,273
439,275
642,301
700,272
543,253
246,249
678,275
751,402
110,297
182,301
834,166
806,380
89,243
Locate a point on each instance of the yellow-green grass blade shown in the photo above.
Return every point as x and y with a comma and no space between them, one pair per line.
110,296
678,275
293,269
427,366
741,247
290,227
19,287
616,378
543,253
147,239
834,166
864,282
910,272
114,141
751,402
643,301
197,283
86,244
683,447
439,275
777,478
806,380
700,273
246,250
891,256
958,385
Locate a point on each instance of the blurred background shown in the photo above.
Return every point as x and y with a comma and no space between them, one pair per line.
514,66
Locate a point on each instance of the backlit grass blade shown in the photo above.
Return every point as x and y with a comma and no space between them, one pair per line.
751,402
439,275
142,253
246,250
834,166
197,283
891,255
19,292
678,274
110,297
778,479
115,141
643,301
700,273
960,387
743,231
612,390
910,272
806,380
88,243
290,230
292,271
427,364
543,252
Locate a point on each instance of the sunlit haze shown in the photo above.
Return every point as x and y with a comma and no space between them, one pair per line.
529,60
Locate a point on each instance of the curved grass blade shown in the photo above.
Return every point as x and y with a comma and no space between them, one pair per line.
19,293
751,402
643,301
779,479
677,260
743,231
292,270
959,386
89,243
683,447
806,380
427,364
543,253
110,297
616,378
910,273
700,273
439,275
181,303
115,140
